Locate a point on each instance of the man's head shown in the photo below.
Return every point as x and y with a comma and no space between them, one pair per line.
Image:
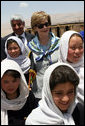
17,24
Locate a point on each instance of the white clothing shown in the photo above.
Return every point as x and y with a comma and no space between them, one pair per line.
22,59
48,113
19,102
79,66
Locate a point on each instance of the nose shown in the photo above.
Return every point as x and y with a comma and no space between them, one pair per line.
65,98
44,26
16,26
77,50
12,50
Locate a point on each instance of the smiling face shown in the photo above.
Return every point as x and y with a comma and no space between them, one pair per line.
63,95
75,50
13,49
39,18
44,30
18,26
10,85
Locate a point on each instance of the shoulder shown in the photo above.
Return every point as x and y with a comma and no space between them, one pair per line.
3,40
29,35
33,117
79,108
7,36
31,97
31,101
78,114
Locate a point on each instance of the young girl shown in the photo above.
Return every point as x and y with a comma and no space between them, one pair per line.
59,105
16,100
72,52
15,50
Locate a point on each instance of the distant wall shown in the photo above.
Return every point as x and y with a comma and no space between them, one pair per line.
59,29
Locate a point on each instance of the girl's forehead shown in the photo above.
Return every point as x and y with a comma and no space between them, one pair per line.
13,43
64,86
6,76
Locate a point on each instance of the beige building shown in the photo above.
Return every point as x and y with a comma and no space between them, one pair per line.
59,29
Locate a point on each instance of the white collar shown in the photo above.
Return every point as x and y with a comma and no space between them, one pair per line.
23,35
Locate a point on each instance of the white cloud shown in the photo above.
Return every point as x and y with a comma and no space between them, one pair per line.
23,4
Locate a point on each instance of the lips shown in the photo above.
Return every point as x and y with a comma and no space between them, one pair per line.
76,56
13,55
65,103
11,89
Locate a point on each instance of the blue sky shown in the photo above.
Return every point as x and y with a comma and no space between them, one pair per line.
26,8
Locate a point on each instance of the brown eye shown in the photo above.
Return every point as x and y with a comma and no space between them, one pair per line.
19,24
57,93
6,82
70,92
73,48
81,47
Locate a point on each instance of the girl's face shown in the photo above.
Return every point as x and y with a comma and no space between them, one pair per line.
63,95
75,50
14,50
44,30
10,85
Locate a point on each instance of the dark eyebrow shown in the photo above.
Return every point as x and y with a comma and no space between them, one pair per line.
71,89
62,90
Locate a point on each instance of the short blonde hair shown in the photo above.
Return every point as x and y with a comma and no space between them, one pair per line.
38,17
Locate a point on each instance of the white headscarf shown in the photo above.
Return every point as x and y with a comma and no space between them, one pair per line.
22,60
19,102
79,66
64,45
48,113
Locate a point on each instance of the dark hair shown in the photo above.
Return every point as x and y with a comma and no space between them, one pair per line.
10,41
63,74
13,73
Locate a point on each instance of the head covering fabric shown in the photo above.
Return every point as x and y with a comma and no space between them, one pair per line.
22,60
48,113
19,102
79,66
82,34
64,44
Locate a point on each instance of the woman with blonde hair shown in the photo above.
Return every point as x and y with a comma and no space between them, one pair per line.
44,47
